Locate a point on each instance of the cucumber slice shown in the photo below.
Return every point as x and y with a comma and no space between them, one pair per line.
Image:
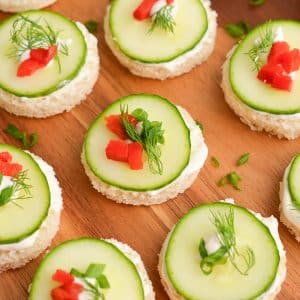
20,221
134,39
182,259
47,80
254,92
175,151
293,181
124,279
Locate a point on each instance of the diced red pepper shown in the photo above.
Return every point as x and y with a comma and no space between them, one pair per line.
169,2
8,169
43,56
5,157
117,150
28,67
269,71
277,49
144,10
135,156
59,294
114,124
290,61
63,277
73,290
282,82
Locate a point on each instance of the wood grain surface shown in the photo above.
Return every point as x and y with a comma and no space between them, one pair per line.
87,213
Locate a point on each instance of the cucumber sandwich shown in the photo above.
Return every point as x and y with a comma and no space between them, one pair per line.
30,206
160,38
91,269
23,5
290,197
223,251
261,78
49,63
143,150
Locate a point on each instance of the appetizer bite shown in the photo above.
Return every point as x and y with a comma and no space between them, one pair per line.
223,251
30,206
89,268
49,64
23,5
261,79
143,150
290,197
160,38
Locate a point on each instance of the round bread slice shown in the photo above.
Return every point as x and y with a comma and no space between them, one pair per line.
282,126
65,98
199,153
178,66
270,294
16,255
289,215
23,5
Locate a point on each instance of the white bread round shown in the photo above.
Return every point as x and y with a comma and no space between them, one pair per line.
136,259
183,182
179,65
268,295
23,5
63,99
289,215
12,259
282,126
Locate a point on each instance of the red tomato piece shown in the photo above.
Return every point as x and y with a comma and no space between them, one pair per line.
114,124
269,71
28,67
60,294
135,156
14,170
73,290
277,49
144,9
43,56
117,150
290,61
282,82
63,277
169,2
5,157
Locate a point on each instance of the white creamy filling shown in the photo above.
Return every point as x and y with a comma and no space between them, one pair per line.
289,210
196,157
212,244
159,5
86,294
55,205
6,182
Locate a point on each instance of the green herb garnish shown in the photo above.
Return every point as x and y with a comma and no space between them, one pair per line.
238,29
243,159
242,259
94,271
28,142
19,190
215,162
164,19
256,2
200,125
151,136
28,34
231,178
261,48
92,26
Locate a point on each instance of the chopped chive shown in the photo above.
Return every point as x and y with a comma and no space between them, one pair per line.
256,2
92,26
223,181
15,132
234,179
243,159
238,29
215,162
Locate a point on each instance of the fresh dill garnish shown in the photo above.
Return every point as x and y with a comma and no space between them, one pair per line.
151,136
92,26
243,159
261,47
28,34
242,259
164,19
28,142
19,190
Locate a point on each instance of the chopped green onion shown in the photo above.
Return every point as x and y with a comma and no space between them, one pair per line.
243,159
92,26
231,178
238,29
215,162
256,2
200,125
13,131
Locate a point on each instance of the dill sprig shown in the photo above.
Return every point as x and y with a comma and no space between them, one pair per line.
20,190
151,137
261,47
164,19
28,34
242,260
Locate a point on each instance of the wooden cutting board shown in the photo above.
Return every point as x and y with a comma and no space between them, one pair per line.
87,213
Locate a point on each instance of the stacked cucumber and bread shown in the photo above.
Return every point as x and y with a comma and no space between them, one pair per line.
23,5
